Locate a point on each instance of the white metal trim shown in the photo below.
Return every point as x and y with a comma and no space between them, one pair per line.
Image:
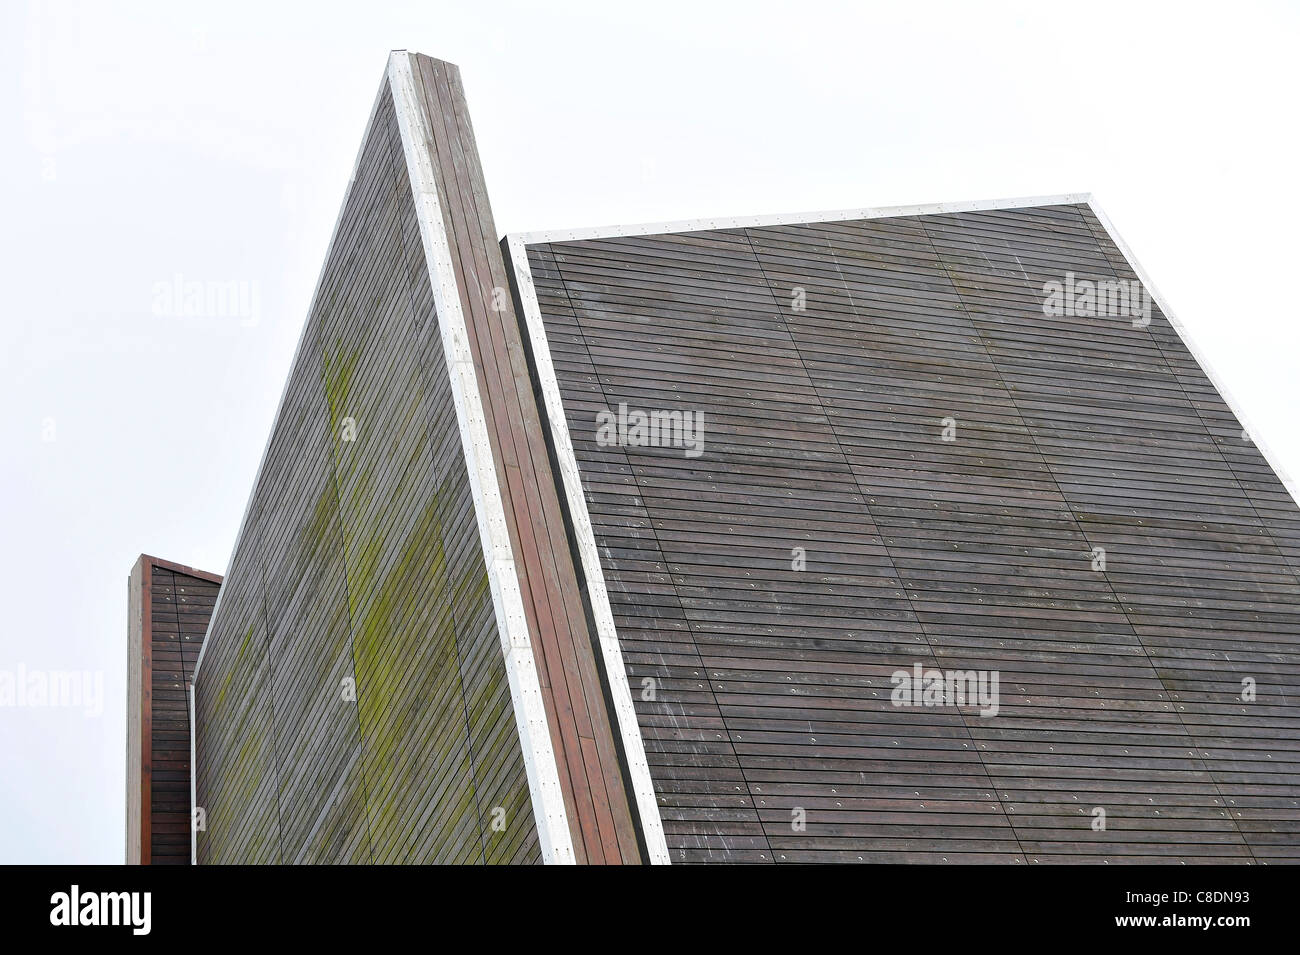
793,218
302,340
194,786
525,690
607,634
1201,359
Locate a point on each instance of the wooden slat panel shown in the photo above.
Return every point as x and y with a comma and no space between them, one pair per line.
361,561
1119,689
170,607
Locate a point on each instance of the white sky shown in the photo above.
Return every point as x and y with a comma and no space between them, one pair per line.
213,141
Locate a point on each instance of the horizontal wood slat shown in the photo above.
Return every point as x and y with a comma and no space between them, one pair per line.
827,359
171,605
353,704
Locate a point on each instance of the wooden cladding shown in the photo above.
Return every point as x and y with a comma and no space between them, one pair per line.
600,818
355,702
169,610
907,462
817,458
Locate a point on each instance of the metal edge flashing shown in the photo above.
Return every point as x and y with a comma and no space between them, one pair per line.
792,218
549,813
297,352
607,634
1197,353
194,789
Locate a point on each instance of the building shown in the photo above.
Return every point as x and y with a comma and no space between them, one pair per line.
903,535
169,606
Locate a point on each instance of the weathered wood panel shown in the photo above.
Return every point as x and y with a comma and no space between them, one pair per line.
169,608
586,755
352,702
829,536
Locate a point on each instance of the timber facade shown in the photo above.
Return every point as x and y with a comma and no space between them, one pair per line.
907,462
916,535
170,606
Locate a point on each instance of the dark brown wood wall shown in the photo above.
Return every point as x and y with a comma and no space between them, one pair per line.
595,797
1120,689
171,605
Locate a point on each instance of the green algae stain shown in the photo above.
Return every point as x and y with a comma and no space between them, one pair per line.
340,371
239,658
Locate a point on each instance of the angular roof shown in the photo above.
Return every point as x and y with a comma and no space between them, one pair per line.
916,460
918,534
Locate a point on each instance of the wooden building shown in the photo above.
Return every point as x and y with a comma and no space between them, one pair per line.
169,606
902,535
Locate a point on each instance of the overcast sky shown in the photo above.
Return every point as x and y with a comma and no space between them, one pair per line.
213,141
